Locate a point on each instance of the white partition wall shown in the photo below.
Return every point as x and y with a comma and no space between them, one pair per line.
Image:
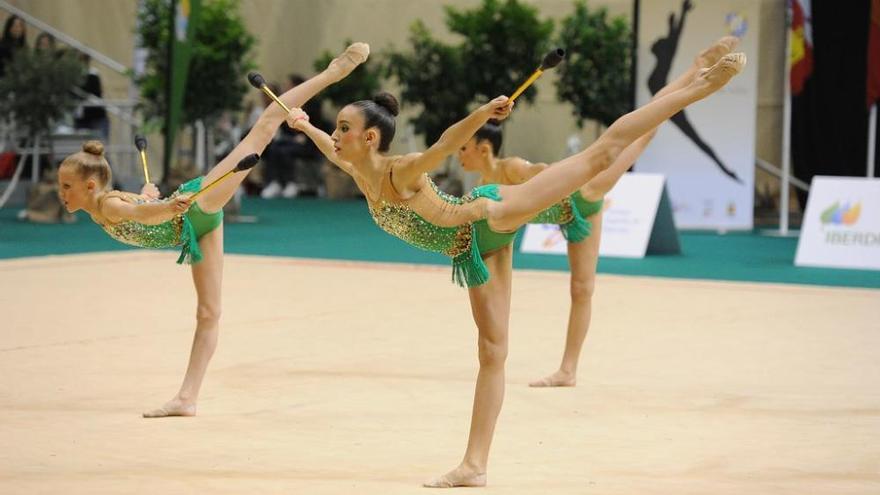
636,220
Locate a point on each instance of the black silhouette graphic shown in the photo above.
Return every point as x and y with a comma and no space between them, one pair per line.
664,49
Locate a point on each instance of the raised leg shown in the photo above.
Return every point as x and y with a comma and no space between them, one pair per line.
521,202
597,187
264,130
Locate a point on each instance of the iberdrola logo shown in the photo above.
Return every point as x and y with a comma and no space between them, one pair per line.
841,215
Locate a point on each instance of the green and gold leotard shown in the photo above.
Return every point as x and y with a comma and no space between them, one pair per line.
571,215
438,222
456,227
183,230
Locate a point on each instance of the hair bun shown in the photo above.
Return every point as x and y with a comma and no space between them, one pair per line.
93,148
388,102
495,122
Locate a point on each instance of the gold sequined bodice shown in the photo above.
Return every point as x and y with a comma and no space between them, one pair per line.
430,219
167,234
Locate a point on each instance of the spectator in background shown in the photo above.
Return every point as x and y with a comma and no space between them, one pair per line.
296,162
45,42
91,116
13,40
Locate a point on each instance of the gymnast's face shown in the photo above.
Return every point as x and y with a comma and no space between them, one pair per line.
73,190
468,155
350,140
474,154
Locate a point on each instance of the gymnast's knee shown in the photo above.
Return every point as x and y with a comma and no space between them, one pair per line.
208,313
582,288
493,352
607,151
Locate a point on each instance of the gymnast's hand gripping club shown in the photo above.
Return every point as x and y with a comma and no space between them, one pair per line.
140,143
245,163
258,82
552,59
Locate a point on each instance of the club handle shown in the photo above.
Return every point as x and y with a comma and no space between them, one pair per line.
146,170
256,80
534,77
245,163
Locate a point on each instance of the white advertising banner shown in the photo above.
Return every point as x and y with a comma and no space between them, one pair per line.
636,220
706,152
841,226
542,238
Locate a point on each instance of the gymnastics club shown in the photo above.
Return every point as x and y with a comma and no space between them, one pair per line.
258,82
245,163
140,143
551,60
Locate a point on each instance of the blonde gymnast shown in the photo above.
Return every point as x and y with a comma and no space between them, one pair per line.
197,227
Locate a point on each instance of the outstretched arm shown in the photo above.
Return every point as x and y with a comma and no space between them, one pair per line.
117,210
263,131
299,120
412,167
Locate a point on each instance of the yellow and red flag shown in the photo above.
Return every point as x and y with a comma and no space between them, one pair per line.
801,39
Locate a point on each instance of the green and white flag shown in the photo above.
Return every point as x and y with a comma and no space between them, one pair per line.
186,18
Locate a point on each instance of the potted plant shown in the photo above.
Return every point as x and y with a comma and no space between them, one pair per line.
595,77
37,93
219,63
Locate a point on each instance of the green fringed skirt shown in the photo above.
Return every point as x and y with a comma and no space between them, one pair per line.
467,244
469,269
570,214
196,223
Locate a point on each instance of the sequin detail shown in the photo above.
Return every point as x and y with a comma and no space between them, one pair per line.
458,242
571,215
164,235
176,232
402,222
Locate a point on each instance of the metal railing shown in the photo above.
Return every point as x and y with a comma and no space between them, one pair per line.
65,38
777,172
119,150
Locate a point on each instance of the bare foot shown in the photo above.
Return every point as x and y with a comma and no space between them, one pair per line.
715,77
354,55
558,379
460,476
174,407
710,56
